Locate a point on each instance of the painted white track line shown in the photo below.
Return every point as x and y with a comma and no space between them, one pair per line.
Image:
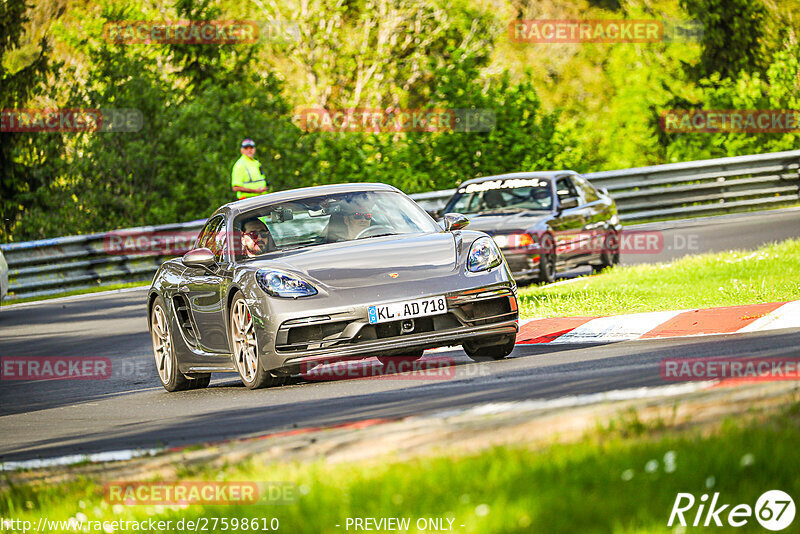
82,296
100,457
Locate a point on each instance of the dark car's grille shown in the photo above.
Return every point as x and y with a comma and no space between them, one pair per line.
487,311
315,332
421,325
465,310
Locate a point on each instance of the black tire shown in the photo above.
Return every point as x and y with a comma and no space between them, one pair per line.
200,381
610,254
486,350
547,260
244,348
164,351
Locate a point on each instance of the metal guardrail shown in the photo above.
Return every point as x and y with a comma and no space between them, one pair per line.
705,187
62,264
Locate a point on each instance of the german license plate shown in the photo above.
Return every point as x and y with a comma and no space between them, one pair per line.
407,309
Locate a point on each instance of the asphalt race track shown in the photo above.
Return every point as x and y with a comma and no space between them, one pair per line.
43,419
717,234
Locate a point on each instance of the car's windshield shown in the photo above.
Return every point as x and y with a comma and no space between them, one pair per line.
498,196
327,219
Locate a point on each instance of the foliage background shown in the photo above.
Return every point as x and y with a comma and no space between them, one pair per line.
583,106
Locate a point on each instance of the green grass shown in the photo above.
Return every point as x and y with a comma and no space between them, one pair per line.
613,480
768,274
111,287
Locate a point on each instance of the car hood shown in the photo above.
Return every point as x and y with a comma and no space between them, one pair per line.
492,224
370,261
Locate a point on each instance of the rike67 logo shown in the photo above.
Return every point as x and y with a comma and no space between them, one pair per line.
774,510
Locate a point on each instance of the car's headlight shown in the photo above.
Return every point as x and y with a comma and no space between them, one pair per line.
483,255
282,284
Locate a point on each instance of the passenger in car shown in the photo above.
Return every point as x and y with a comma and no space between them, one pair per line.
493,199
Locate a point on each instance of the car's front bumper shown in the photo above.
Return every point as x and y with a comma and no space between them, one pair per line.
408,342
338,334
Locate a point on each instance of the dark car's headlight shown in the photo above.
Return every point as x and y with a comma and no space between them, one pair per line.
483,255
282,284
515,240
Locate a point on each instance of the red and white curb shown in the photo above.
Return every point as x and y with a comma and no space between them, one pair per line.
667,324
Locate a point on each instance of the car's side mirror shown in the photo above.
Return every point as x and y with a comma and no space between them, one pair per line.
199,257
455,221
569,203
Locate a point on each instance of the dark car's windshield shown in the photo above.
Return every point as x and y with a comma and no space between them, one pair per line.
498,196
327,219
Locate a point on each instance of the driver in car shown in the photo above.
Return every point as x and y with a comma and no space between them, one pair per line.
350,219
356,222
256,239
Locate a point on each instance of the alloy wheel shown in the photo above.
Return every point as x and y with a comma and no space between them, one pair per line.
162,344
245,346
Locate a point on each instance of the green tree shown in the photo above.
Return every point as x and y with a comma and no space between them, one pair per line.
778,89
733,36
24,159
223,65
523,137
177,166
378,53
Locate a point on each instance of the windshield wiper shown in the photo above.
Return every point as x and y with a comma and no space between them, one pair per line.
379,235
300,245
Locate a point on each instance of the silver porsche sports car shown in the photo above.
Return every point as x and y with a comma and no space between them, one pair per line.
298,278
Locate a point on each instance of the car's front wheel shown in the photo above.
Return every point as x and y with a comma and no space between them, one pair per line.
244,345
488,350
547,260
164,351
610,253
